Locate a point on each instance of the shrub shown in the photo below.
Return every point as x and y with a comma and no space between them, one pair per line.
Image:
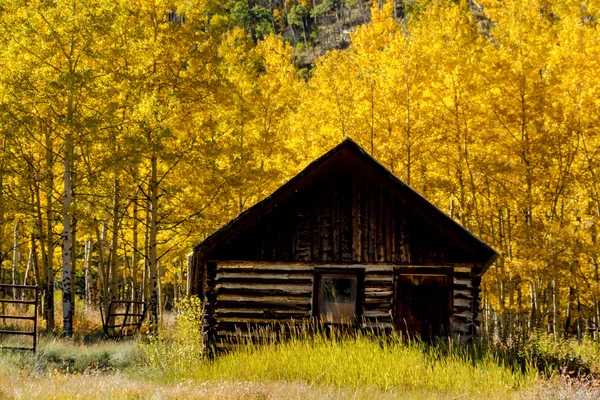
180,345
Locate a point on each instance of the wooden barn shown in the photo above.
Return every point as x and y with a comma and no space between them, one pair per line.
344,242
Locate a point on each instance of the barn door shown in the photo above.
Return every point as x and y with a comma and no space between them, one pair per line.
422,305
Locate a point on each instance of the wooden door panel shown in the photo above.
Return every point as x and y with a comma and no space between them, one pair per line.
422,305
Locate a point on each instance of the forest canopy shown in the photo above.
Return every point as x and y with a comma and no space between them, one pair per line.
131,130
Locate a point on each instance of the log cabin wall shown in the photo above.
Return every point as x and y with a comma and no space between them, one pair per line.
243,297
248,296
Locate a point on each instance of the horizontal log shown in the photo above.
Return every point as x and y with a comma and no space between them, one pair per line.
250,305
461,328
462,303
270,281
300,265
223,266
376,326
274,274
259,299
306,293
463,294
269,312
372,281
376,314
465,270
378,300
468,315
379,284
248,273
301,324
379,273
262,335
263,286
378,293
270,319
378,307
462,282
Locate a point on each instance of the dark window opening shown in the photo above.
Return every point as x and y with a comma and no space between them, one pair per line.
337,296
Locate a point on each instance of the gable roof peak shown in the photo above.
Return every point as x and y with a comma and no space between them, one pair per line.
262,207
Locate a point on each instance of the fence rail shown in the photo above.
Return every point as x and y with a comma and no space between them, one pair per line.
33,317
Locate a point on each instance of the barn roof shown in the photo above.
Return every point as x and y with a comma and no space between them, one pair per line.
262,208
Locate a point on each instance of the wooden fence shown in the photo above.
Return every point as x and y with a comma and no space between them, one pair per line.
33,333
119,330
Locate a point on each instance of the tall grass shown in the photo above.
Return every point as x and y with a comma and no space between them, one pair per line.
391,364
308,359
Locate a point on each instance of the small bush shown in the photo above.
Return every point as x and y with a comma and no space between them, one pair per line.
549,355
180,345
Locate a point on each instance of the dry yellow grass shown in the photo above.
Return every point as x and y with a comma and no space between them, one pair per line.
119,387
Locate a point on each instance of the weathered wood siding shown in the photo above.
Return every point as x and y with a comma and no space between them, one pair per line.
243,297
348,214
465,315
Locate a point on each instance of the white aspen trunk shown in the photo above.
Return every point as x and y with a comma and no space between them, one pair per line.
49,261
114,244
28,268
189,275
101,269
73,255
153,237
160,292
134,255
67,244
34,259
87,261
145,273
16,259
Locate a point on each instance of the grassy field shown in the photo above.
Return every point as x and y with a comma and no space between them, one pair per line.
319,368
315,367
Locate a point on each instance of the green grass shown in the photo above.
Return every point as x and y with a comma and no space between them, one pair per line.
59,356
358,362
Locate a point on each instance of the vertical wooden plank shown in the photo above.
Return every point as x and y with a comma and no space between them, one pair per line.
314,224
346,220
388,225
371,221
303,237
324,227
336,221
380,227
394,236
356,218
364,220
404,245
